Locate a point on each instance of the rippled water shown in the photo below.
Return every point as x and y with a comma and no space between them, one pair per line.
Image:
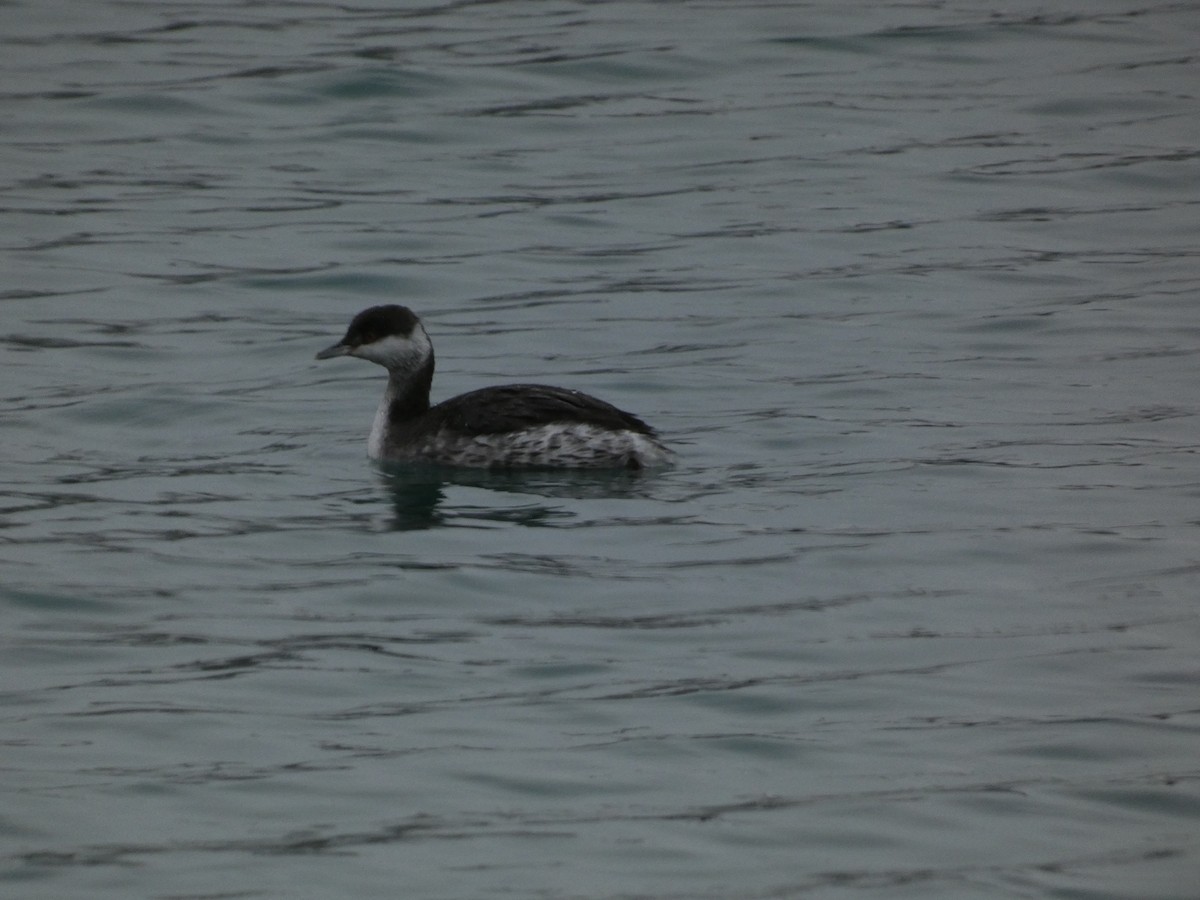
910,287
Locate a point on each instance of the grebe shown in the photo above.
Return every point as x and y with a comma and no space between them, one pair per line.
511,426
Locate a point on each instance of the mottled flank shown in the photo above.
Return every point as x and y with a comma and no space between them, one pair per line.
510,426
557,445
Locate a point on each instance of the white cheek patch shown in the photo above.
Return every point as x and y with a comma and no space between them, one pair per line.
405,354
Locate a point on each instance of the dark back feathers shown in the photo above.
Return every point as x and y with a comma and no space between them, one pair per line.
514,407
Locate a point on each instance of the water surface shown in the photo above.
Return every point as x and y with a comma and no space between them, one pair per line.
910,289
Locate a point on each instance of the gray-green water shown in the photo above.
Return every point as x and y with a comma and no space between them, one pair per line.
911,288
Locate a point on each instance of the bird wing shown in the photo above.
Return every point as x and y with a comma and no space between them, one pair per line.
515,407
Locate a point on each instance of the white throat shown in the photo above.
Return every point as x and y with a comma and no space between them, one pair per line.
402,357
379,428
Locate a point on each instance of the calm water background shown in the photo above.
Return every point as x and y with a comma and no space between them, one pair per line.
912,289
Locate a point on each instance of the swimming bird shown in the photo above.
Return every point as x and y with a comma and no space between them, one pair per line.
510,426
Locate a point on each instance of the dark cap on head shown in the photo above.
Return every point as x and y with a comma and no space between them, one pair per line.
372,325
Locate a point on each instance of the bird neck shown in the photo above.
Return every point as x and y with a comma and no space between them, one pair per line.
407,393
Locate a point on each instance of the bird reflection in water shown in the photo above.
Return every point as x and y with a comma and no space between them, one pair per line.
419,499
